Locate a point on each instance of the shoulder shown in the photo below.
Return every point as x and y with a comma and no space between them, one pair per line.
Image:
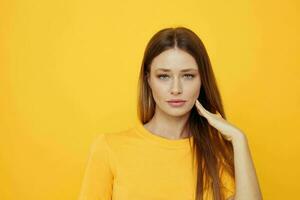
118,137
99,143
113,139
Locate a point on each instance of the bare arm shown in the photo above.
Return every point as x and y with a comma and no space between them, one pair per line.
247,186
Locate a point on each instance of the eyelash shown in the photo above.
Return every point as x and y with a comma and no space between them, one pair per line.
164,75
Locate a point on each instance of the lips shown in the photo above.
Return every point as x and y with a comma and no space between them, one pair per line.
176,102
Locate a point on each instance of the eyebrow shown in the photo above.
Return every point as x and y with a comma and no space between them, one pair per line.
184,70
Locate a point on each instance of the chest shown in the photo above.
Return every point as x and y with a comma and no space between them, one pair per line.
156,174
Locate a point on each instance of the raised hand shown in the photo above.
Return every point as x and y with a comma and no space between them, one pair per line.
227,129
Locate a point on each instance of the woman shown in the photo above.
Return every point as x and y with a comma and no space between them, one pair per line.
181,148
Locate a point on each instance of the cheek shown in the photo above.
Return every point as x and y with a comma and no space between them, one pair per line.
193,90
159,91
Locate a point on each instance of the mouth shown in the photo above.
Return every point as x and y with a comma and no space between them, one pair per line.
176,102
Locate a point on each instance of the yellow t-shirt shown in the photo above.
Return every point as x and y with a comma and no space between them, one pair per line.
136,164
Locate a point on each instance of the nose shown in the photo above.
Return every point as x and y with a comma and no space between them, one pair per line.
176,87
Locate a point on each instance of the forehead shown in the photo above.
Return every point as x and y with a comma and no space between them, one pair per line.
174,60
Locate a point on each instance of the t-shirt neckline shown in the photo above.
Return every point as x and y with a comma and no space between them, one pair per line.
171,143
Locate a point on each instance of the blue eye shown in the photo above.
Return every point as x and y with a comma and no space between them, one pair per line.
190,76
162,75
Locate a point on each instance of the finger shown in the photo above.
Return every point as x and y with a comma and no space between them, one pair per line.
201,109
205,112
198,109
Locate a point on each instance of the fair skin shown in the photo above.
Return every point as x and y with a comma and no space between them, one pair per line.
169,121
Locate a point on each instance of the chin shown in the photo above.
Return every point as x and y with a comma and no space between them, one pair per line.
177,112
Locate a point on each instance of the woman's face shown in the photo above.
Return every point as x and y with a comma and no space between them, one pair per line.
174,75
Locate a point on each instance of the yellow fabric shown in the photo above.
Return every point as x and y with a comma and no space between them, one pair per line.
136,164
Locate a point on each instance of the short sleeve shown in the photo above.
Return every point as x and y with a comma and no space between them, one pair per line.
228,184
97,182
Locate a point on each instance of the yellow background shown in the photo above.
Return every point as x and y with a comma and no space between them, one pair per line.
69,69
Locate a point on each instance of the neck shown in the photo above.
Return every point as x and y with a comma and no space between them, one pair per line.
171,127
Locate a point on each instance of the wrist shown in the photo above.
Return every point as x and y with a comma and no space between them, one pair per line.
238,138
